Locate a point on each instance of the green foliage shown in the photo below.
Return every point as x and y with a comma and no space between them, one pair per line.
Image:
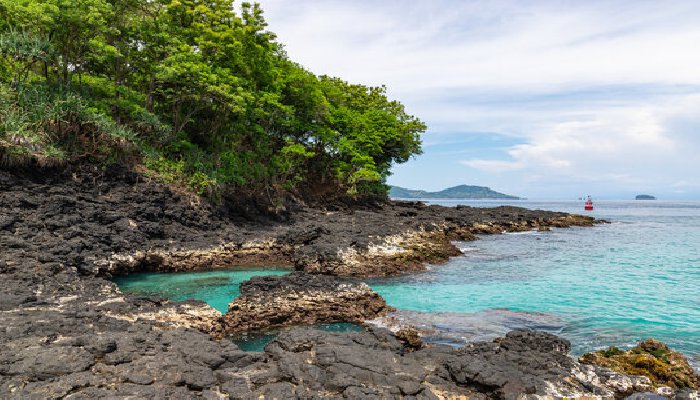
54,127
611,351
201,90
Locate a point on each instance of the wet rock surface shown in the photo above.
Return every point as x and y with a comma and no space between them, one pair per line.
457,329
67,332
301,298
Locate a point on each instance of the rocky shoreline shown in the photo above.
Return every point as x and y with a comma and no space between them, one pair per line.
69,332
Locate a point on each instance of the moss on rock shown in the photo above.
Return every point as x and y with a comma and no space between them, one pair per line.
650,358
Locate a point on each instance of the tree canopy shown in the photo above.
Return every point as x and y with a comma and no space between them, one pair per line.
198,91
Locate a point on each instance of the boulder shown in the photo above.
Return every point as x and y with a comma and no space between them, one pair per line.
299,298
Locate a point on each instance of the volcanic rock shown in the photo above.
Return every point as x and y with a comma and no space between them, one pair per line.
300,298
535,363
374,364
68,332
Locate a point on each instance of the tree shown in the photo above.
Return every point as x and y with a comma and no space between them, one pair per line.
203,91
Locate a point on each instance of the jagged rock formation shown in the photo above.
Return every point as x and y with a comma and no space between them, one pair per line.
116,221
299,298
418,241
66,335
534,363
227,255
374,364
68,332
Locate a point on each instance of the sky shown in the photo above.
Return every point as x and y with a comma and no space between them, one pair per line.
541,99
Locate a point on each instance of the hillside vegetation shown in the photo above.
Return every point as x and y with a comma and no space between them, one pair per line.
197,91
455,192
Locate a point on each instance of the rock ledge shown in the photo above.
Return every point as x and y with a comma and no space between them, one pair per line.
300,298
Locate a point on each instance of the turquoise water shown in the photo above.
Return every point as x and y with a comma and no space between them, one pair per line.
216,288
256,340
613,284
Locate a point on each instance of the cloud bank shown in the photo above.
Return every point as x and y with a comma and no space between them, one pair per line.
542,99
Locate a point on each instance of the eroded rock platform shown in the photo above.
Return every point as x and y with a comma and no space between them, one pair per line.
67,331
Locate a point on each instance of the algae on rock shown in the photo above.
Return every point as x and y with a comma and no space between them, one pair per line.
650,358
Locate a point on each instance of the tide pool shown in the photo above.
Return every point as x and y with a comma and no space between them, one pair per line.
256,340
216,288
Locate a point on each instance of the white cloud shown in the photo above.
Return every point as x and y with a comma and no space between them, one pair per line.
414,45
603,94
623,147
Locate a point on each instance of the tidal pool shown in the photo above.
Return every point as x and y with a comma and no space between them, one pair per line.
216,288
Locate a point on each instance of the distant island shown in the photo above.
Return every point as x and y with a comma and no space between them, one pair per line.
645,197
456,192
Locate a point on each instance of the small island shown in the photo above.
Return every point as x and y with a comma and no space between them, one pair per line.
644,197
455,192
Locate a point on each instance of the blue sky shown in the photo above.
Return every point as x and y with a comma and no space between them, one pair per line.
542,99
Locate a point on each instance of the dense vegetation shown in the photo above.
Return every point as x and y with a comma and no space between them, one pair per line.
197,91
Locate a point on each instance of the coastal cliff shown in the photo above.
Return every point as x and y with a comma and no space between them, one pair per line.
70,332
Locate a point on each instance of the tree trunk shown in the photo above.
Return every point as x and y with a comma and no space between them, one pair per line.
149,95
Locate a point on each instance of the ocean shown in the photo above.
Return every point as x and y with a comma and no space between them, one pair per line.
612,284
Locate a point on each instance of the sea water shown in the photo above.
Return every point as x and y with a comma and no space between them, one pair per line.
612,284
257,340
217,288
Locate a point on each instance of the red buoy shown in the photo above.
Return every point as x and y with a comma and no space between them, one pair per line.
589,204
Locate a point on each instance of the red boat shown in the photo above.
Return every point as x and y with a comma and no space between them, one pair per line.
589,204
